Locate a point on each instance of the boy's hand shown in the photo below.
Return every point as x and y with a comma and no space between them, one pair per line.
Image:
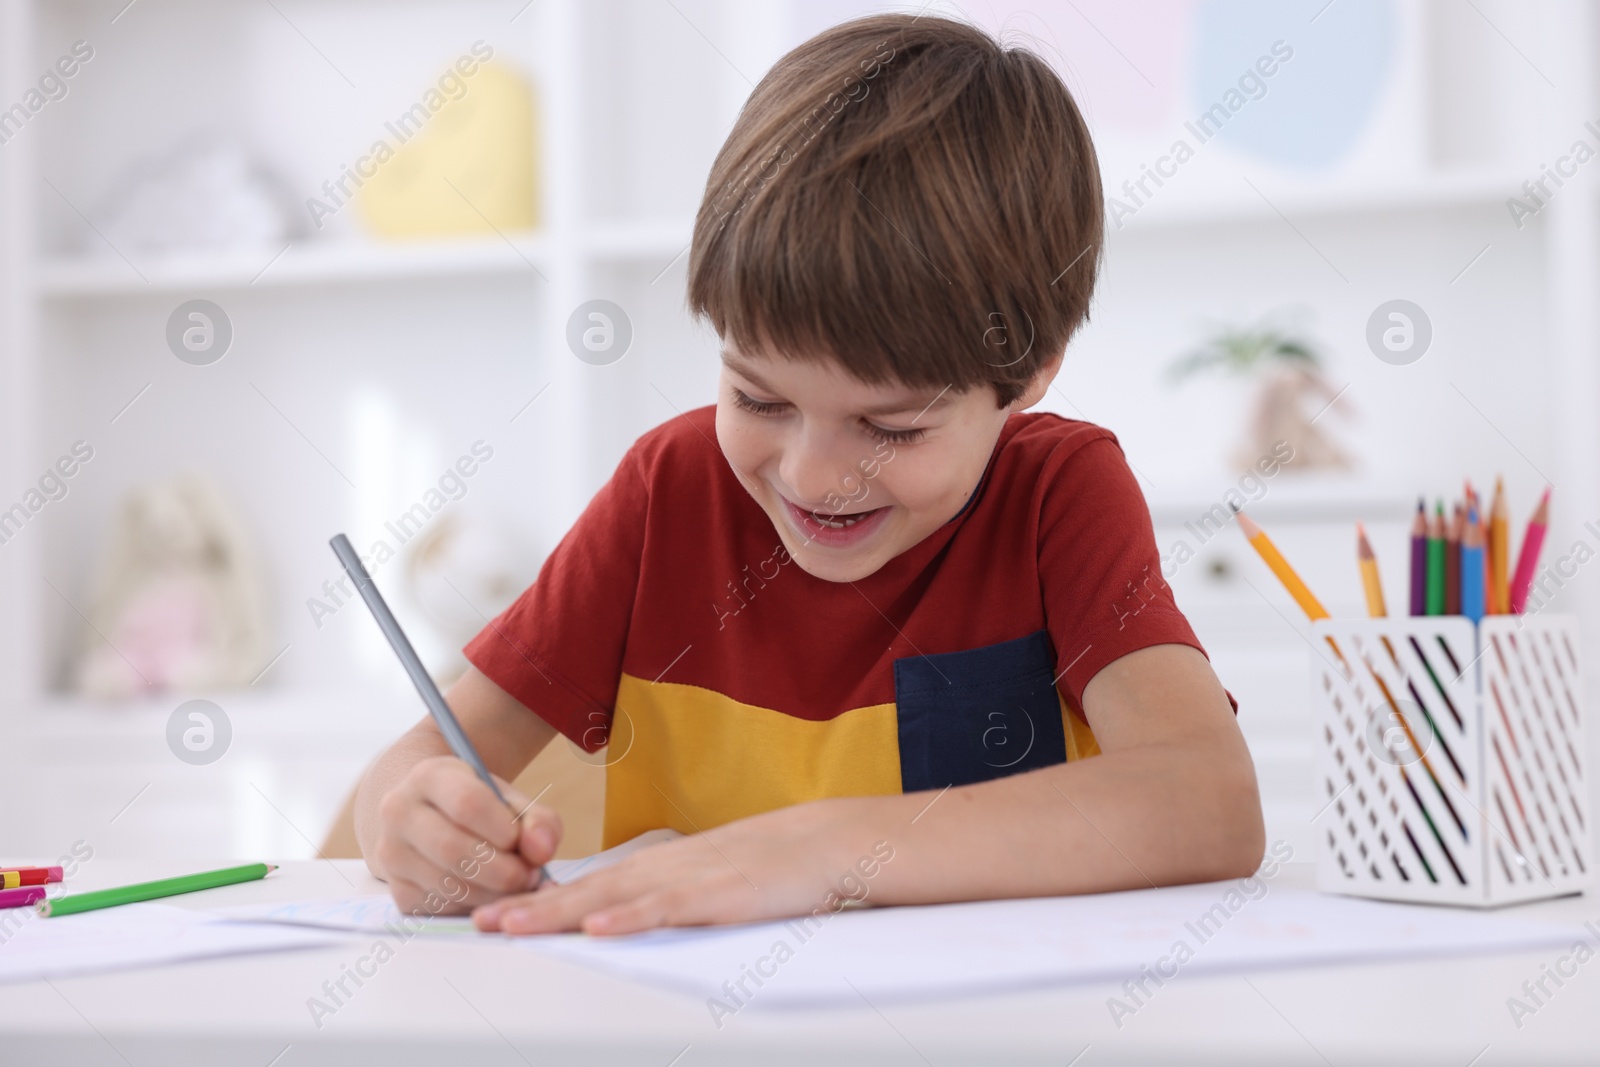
446,845
777,864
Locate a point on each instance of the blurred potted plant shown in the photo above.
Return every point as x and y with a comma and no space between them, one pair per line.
1291,397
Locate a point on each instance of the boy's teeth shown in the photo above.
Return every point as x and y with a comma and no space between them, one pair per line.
836,522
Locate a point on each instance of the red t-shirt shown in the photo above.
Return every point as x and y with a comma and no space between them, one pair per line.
671,624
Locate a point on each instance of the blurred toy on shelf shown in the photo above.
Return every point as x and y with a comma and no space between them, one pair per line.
207,194
457,164
178,604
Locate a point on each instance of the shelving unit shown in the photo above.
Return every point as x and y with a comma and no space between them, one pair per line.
356,262
440,343
322,327
348,262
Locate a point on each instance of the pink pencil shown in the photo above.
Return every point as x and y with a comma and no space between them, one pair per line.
19,898
1528,558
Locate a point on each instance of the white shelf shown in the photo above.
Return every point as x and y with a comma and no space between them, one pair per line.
295,712
1218,201
624,241
1314,500
357,262
303,264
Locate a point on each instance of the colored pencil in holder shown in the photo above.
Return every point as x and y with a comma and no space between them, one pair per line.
1473,594
1371,586
1433,592
1314,610
1419,560
1452,561
1498,595
1528,557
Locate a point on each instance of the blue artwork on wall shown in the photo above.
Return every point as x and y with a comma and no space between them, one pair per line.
1329,62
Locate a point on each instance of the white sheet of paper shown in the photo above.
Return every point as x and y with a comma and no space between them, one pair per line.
134,935
944,950
374,914
377,914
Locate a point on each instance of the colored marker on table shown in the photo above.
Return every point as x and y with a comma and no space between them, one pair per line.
1419,560
1499,549
1370,584
1472,565
1528,557
165,887
12,877
1433,603
19,898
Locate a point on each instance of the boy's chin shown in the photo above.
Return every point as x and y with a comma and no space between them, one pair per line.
834,566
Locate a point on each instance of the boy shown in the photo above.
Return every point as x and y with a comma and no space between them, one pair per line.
863,619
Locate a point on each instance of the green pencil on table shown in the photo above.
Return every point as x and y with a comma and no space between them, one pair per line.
164,887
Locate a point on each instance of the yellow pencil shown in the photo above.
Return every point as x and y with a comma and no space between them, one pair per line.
1369,574
1499,552
1274,560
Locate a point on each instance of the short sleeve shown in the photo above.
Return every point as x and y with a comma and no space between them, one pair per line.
1099,568
558,648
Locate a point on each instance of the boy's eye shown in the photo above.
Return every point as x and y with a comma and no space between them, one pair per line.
746,402
754,406
893,437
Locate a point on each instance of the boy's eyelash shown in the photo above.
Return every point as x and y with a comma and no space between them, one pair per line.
752,405
893,437
749,403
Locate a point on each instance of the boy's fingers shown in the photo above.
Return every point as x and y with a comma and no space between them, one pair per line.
412,876
455,853
539,829
418,900
554,908
517,801
550,910
668,907
539,835
406,893
450,786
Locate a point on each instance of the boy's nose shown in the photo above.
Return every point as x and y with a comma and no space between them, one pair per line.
813,470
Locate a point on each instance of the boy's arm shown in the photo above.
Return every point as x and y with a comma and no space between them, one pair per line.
421,815
1172,798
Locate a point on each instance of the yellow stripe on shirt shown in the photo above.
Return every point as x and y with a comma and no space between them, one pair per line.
691,758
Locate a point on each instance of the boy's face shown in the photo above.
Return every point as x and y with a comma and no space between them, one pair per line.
853,474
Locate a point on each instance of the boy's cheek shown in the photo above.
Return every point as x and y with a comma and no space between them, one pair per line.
923,492
741,446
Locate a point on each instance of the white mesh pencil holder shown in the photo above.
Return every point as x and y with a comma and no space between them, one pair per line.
1450,759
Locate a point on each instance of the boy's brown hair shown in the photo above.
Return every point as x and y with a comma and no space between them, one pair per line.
908,197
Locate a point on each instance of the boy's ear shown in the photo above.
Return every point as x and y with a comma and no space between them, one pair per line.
1039,385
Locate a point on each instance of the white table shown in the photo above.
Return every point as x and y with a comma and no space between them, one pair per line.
486,1004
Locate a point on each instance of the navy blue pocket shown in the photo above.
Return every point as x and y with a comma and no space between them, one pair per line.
979,714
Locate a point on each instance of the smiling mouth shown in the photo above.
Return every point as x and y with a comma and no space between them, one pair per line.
839,521
835,529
